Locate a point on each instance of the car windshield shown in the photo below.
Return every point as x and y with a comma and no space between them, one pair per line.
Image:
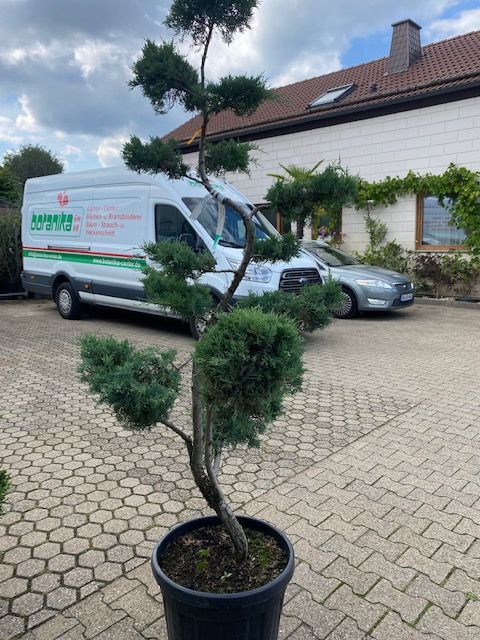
233,233
332,257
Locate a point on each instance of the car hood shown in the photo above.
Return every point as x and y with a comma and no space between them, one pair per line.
367,271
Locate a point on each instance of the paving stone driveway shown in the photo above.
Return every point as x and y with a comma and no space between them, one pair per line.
373,472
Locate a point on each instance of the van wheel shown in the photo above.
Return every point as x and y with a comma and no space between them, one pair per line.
349,307
197,325
68,304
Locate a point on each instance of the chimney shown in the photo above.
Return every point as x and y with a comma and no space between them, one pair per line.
405,48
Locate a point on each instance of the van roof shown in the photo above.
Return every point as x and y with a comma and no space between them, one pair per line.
183,187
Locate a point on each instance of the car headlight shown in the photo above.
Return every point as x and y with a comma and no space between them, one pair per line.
254,272
379,284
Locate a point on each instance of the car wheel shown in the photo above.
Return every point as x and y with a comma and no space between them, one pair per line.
349,306
68,304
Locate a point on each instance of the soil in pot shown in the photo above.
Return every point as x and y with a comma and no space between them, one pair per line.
204,560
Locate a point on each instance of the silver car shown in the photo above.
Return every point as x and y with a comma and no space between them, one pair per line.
366,288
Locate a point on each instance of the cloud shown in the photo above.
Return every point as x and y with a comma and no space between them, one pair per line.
468,20
109,150
8,131
71,150
94,55
25,121
296,39
64,66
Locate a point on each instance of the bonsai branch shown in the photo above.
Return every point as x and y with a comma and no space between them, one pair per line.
186,438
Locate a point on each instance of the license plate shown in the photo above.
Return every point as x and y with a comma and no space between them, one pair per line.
406,296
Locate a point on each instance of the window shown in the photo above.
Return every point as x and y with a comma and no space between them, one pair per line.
332,256
332,95
434,230
328,225
171,225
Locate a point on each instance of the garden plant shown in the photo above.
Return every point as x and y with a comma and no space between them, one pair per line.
248,358
10,250
4,488
304,195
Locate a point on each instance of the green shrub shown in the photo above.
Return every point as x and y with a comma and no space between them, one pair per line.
247,363
311,309
4,488
140,385
389,256
10,248
442,274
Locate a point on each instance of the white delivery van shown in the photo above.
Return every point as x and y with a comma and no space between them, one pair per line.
83,236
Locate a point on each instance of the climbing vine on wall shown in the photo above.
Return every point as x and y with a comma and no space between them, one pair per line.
458,189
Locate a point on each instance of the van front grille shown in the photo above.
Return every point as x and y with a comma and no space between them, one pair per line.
292,280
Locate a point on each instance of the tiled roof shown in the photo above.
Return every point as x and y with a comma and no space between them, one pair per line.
443,66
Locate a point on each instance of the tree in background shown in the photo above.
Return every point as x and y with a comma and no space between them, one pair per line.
32,161
10,232
300,194
10,190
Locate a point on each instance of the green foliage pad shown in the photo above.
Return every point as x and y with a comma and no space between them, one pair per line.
311,309
140,385
175,284
276,249
196,18
247,363
166,76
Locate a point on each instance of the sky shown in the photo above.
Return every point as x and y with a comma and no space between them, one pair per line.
65,64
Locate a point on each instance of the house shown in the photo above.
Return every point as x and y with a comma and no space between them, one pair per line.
416,109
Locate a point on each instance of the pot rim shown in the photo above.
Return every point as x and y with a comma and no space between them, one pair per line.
279,535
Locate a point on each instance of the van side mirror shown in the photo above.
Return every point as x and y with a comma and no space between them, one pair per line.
189,239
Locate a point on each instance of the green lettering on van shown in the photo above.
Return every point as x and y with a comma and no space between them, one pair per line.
52,222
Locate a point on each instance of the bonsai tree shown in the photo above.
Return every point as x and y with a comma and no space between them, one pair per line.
301,194
247,360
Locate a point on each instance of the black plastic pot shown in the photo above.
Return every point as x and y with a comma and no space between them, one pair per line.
249,615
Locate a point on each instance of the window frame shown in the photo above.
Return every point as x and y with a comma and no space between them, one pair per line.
345,91
419,246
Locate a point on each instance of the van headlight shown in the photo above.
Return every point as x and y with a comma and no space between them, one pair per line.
254,272
377,284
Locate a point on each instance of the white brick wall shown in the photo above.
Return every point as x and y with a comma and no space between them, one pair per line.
424,140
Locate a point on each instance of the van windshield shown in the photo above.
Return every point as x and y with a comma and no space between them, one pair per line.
233,233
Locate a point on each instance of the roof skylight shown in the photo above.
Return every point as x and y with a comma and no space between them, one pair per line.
332,95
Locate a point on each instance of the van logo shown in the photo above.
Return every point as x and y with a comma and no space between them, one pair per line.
66,222
303,281
62,199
